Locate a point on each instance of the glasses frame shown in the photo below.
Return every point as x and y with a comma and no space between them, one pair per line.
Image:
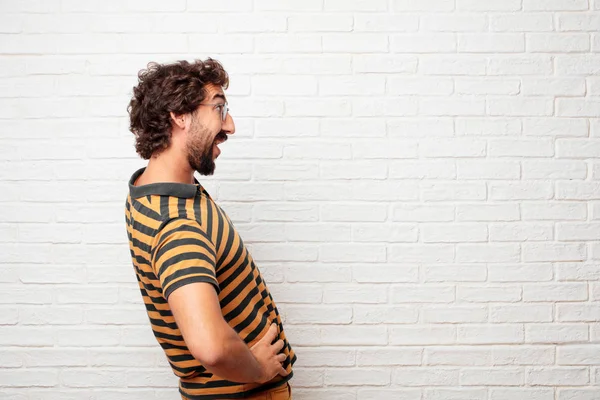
224,110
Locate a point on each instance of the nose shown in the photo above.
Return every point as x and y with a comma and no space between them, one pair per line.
228,125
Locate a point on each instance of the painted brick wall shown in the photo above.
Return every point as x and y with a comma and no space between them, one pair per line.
418,180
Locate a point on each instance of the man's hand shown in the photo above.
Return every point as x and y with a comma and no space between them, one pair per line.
268,355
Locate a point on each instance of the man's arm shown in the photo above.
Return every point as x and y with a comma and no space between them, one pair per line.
216,345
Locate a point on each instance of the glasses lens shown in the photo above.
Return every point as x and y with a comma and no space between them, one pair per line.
224,112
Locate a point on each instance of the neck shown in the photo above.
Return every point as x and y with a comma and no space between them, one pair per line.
167,168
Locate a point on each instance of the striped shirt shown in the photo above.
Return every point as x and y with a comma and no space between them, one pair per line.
178,235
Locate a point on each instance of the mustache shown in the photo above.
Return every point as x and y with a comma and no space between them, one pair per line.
221,136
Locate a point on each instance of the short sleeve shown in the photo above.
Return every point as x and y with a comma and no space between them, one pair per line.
183,254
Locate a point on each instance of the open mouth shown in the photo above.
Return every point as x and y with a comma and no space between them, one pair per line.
221,138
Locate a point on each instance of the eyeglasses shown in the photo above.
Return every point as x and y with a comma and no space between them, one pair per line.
224,108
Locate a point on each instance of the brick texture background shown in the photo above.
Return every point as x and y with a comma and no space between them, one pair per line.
418,180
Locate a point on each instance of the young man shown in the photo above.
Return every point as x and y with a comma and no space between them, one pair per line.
209,308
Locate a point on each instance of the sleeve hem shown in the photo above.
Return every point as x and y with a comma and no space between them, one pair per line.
186,281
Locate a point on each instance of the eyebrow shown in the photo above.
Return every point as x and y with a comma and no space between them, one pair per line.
221,96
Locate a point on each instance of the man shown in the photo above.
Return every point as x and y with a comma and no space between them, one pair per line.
208,306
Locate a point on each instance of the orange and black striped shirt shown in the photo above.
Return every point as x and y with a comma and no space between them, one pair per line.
179,235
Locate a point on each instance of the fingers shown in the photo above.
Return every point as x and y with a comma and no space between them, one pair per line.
278,345
283,372
281,357
271,334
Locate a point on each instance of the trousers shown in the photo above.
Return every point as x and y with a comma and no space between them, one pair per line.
283,392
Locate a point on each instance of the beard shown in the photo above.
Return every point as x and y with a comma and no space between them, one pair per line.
200,155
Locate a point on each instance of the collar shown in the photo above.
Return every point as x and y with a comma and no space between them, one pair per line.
184,190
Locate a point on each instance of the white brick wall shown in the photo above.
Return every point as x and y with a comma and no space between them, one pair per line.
417,179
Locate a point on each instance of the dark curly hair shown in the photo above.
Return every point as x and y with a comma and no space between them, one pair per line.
163,88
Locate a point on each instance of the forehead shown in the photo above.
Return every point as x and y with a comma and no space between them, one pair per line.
213,91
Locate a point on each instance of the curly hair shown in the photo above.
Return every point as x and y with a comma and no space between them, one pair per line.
163,88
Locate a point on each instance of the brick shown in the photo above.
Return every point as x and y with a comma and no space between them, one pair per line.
317,232
447,192
577,108
525,393
578,65
424,294
567,190
577,148
423,43
521,313
288,5
428,253
356,376
555,127
377,232
458,273
555,5
476,86
538,272
488,293
578,22
459,22
491,42
384,63
553,252
521,22
554,87
454,315
320,314
430,334
517,107
527,190
577,313
556,333
354,335
326,357
361,293
487,253
455,233
488,376
457,355
553,169
577,355
554,43
355,43
420,5
421,86
320,23
523,355
487,126
487,212
553,211
476,170
490,334
352,253
425,376
520,232
520,65
553,376
488,5
355,5
577,271
322,273
383,314
388,356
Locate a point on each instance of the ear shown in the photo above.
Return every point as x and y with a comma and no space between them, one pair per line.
178,120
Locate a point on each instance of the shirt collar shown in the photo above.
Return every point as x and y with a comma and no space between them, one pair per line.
184,190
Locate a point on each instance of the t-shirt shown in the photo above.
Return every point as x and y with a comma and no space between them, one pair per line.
178,235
